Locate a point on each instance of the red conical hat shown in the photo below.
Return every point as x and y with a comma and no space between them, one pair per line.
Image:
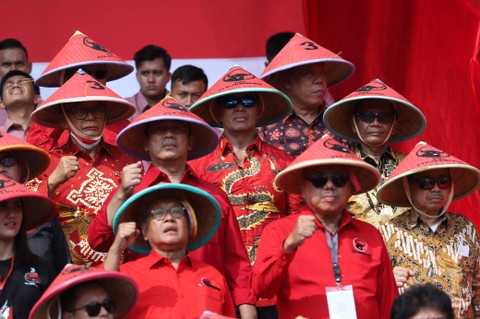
327,151
119,287
37,208
131,139
276,105
300,51
410,120
81,88
35,158
80,50
423,157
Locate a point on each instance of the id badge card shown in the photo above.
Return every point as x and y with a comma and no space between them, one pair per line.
341,304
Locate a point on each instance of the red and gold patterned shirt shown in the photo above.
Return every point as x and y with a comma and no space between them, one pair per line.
448,257
80,198
255,198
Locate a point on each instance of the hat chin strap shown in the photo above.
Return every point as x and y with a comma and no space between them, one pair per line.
385,141
85,141
406,186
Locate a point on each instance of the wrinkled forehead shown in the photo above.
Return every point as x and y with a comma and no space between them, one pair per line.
374,105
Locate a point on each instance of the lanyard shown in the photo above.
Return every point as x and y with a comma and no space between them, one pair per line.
333,245
4,280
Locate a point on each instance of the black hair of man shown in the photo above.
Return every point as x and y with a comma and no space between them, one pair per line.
276,43
12,43
151,52
36,89
419,297
188,73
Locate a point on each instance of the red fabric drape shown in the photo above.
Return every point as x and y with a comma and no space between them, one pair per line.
429,51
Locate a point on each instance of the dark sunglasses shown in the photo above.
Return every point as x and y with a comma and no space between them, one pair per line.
369,117
81,113
8,161
320,180
160,214
93,308
232,102
428,183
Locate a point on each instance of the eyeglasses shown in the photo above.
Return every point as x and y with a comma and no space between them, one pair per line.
94,307
8,161
320,180
232,102
81,113
160,214
369,117
428,183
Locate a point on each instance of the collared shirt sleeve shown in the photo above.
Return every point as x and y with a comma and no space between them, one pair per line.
271,266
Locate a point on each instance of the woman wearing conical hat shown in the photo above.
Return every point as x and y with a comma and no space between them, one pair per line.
373,117
85,166
23,275
428,244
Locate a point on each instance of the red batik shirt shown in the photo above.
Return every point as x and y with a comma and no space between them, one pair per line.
81,197
254,196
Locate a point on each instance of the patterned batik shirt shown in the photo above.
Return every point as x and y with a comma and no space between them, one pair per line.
448,258
292,134
365,206
250,186
79,199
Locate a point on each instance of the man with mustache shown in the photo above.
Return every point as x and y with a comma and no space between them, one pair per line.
426,243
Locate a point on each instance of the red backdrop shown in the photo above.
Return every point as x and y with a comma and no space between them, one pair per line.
427,50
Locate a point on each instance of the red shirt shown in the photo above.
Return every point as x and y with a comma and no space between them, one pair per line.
81,197
299,278
255,198
185,292
225,251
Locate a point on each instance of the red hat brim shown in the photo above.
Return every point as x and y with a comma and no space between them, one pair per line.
119,287
79,51
423,157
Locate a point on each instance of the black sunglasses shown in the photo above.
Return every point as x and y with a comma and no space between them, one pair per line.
81,113
369,117
320,180
428,183
232,102
93,308
8,161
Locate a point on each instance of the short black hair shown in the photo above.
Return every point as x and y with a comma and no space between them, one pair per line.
36,89
12,43
276,43
418,297
151,52
188,73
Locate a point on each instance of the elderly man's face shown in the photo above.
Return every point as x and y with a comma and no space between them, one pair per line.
331,197
374,119
430,190
88,118
306,85
91,297
166,226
